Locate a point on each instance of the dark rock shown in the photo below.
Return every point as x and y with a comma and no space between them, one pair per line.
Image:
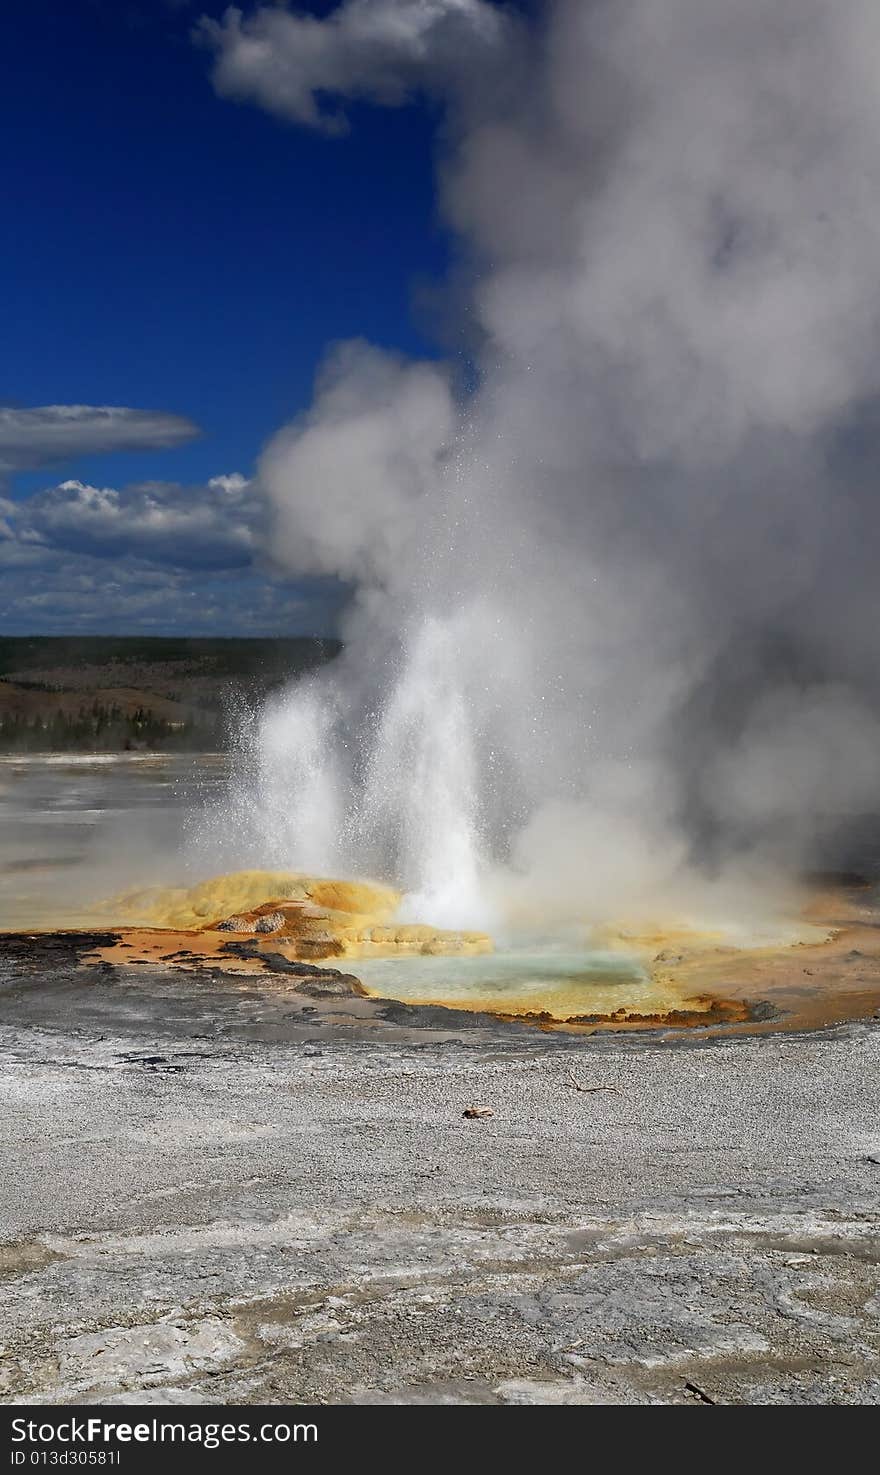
437,1016
762,1010
317,983
332,985
34,951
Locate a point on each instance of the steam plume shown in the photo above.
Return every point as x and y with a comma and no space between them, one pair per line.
614,613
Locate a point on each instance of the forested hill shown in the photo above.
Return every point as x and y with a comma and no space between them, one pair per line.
103,693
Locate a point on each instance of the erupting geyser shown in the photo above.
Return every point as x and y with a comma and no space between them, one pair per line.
406,805
611,641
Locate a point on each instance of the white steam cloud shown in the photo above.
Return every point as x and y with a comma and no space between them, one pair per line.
616,610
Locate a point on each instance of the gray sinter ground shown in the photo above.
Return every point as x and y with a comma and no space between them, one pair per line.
223,1191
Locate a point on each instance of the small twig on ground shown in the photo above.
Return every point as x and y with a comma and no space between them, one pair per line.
579,1086
700,1393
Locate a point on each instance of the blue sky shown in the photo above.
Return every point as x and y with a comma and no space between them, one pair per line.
166,250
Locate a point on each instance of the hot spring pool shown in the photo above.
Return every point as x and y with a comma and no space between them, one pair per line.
517,982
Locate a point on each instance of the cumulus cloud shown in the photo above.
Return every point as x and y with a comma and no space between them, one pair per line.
384,50
233,483
154,557
30,438
153,522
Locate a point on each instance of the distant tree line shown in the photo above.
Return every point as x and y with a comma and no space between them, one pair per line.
270,658
107,728
74,669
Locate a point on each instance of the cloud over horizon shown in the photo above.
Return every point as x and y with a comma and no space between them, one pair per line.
42,435
164,523
151,556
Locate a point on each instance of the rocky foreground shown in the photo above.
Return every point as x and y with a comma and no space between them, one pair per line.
226,1188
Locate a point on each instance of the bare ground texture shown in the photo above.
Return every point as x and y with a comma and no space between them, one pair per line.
227,1189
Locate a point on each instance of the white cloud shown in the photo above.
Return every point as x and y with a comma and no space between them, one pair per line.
154,522
383,50
154,557
232,484
45,434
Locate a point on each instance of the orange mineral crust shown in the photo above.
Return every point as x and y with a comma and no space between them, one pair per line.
263,924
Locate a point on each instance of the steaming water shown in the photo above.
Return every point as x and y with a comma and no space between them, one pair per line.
655,467
392,792
422,783
562,983
74,829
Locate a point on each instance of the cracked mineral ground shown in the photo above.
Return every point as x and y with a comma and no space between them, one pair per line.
224,1188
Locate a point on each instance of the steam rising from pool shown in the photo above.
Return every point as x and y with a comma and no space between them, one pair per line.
400,801
610,645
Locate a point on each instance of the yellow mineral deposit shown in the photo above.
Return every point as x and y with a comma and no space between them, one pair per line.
819,968
315,917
